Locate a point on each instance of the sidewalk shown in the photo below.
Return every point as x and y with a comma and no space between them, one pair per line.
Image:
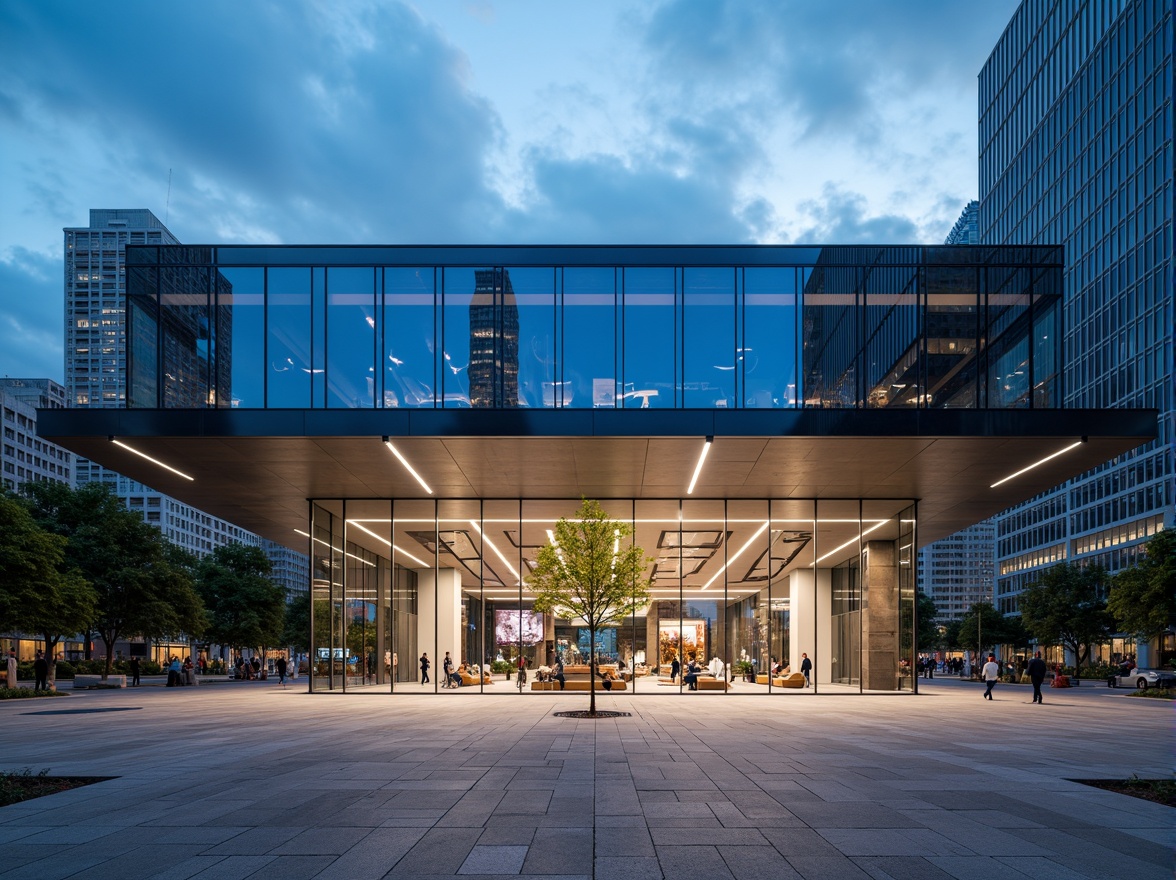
257,781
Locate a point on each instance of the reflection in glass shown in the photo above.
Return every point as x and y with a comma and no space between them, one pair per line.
410,335
768,356
289,349
649,338
245,345
351,337
589,350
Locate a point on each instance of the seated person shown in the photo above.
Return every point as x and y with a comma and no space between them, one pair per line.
557,673
606,677
690,679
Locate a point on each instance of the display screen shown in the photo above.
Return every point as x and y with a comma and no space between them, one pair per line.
518,627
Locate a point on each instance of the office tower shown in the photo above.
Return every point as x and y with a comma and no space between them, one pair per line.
1076,149
494,352
25,457
95,368
957,571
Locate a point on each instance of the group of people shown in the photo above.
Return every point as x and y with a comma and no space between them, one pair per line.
454,678
178,674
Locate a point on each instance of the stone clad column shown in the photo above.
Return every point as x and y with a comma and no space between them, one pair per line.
880,617
438,605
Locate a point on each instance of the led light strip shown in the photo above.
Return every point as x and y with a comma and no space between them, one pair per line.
395,549
698,467
155,461
407,466
497,552
738,553
853,540
366,562
1038,463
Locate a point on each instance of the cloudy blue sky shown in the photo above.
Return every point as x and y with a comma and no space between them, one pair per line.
449,122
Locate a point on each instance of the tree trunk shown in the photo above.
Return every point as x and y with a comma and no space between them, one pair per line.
109,642
592,669
51,658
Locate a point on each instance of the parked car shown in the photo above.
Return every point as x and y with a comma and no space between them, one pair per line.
1143,679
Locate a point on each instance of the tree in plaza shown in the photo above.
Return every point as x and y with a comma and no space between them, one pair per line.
982,625
588,572
142,585
1065,606
245,608
1142,599
296,630
928,636
39,591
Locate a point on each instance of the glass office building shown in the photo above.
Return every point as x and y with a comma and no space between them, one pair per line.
419,418
1076,148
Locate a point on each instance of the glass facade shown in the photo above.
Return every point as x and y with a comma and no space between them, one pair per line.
698,328
739,587
1076,148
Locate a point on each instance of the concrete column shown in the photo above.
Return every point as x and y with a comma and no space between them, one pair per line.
880,617
810,619
438,619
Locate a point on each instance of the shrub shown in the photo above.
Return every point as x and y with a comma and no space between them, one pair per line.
7,693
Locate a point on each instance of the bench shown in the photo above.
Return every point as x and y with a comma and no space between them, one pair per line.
578,686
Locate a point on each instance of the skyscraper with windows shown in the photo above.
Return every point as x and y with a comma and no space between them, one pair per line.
24,456
95,376
1076,148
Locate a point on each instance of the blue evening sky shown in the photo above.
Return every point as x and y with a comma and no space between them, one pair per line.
684,121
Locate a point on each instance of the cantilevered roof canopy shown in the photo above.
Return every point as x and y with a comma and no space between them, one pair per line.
257,468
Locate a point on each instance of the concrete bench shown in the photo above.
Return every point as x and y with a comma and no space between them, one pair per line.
89,681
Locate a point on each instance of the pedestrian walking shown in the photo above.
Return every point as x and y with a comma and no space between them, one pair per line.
424,668
806,669
134,667
991,674
280,666
1036,670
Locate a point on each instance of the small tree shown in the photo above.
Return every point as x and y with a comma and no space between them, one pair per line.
982,625
589,573
1066,607
245,607
1143,598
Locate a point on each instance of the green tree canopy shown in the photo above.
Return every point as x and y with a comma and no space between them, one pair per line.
296,630
245,608
1143,598
590,572
40,592
1065,607
928,636
983,626
141,586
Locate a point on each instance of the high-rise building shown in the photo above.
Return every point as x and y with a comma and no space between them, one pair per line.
494,356
95,371
1076,149
967,228
25,457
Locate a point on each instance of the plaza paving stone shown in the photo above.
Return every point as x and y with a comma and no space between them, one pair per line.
253,780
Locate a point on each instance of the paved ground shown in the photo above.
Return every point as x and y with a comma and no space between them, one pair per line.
248,780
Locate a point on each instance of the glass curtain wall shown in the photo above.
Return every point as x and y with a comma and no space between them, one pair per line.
743,593
850,327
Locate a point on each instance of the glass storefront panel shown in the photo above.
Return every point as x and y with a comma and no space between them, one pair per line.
951,343
589,375
837,656
659,533
326,627
650,341
243,342
709,357
768,357
288,343
535,351
792,592
351,337
409,345
369,593
414,552
462,548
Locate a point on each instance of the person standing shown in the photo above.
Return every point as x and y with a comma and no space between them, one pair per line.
424,668
280,666
1036,672
991,673
41,672
675,667
447,670
133,665
806,669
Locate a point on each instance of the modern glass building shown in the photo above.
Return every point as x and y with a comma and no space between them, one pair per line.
1076,148
418,419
